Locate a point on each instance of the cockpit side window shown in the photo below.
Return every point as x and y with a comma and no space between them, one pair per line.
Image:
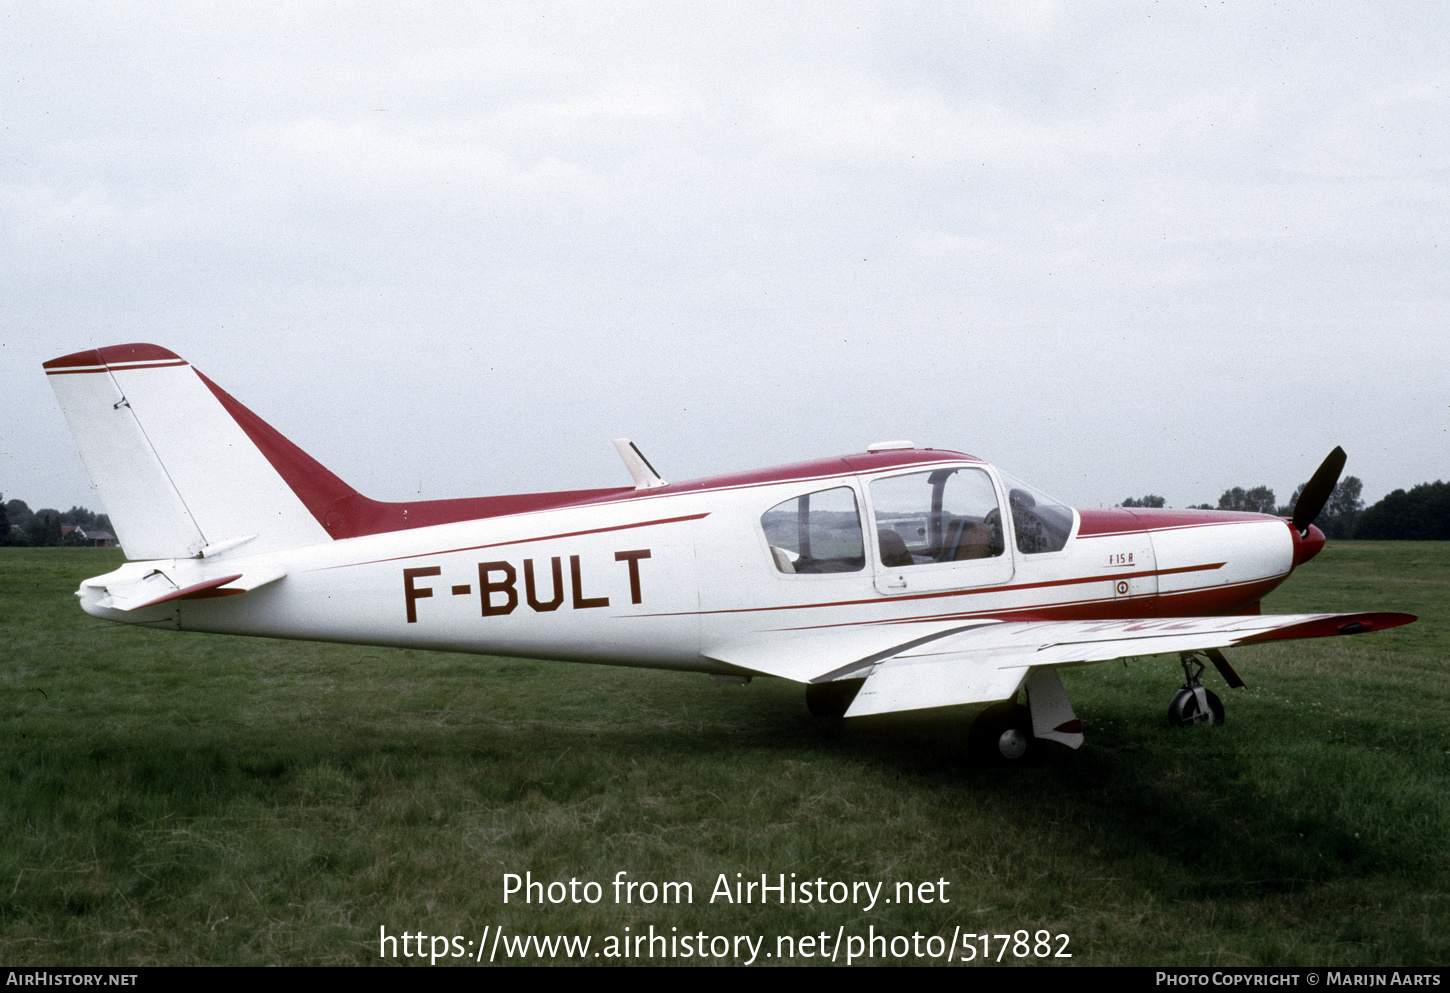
947,515
816,532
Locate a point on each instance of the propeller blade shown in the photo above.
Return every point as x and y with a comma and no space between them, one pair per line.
1317,490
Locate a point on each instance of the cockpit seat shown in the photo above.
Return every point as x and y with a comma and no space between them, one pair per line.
894,553
782,559
968,540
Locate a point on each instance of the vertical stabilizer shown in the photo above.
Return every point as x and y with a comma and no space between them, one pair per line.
177,474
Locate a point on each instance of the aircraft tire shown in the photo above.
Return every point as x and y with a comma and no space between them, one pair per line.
1183,710
831,700
1002,734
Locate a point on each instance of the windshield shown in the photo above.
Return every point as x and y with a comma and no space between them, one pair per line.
1041,523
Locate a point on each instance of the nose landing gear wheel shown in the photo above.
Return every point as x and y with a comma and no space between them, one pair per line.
1193,704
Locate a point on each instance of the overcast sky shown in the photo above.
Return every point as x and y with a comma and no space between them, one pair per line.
454,249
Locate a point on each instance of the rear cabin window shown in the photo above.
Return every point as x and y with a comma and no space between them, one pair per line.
948,515
817,532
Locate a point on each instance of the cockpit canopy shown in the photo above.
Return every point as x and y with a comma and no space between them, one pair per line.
949,514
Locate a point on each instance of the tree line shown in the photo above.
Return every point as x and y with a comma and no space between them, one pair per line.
1420,514
44,528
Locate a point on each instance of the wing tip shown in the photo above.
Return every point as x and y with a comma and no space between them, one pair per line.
1335,624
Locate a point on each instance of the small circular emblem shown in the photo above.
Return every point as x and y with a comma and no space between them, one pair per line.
1122,587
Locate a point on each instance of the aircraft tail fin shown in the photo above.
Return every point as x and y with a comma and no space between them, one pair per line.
175,462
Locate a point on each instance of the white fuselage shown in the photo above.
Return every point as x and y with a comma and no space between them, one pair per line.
660,577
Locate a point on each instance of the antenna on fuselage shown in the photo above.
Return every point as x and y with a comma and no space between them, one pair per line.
643,474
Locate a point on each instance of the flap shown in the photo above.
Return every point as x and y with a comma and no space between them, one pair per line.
822,654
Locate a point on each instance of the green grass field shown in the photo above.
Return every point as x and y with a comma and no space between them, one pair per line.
193,799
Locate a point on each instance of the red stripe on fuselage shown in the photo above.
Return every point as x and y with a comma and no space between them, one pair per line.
1205,601
846,468
516,541
1077,581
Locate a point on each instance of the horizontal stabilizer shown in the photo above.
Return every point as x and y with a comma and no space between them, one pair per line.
139,585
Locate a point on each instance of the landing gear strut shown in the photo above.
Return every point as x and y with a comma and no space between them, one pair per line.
1193,703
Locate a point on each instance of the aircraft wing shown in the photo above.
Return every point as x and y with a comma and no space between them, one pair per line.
939,665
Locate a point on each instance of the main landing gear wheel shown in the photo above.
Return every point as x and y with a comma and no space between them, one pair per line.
1185,708
1192,703
1002,734
832,699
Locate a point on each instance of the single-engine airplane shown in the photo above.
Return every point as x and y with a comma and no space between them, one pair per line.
896,579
